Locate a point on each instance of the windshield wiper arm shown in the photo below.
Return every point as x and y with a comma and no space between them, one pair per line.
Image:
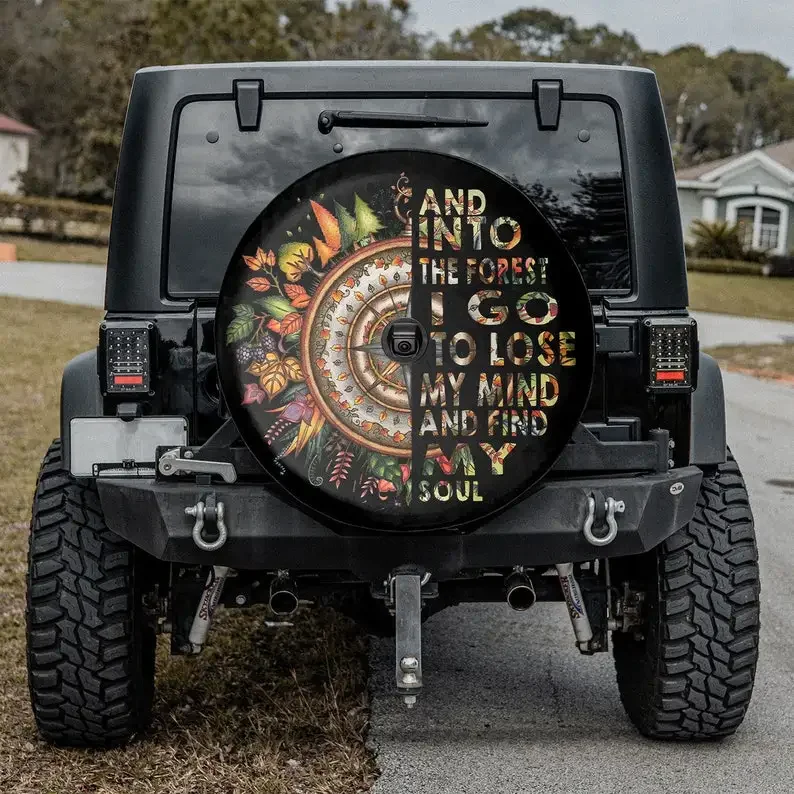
356,118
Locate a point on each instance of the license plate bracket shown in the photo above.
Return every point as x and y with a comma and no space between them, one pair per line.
111,447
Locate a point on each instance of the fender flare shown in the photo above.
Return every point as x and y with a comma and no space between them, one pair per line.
80,394
707,437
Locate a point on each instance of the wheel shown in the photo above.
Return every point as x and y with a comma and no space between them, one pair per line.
688,673
90,648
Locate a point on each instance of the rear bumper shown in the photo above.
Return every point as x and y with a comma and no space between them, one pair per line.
267,533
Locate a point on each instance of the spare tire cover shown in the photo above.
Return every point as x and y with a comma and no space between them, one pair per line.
404,342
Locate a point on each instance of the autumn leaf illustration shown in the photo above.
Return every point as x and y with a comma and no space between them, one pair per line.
261,260
292,368
258,368
294,259
297,295
341,467
291,324
273,381
328,224
259,284
272,374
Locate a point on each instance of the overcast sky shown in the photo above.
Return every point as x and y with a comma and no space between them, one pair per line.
757,25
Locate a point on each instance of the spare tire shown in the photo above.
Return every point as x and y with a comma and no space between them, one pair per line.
404,342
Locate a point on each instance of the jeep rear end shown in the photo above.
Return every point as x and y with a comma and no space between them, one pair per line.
397,336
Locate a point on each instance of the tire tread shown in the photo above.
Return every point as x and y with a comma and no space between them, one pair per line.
692,677
90,655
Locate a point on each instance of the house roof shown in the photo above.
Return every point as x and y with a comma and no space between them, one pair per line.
14,127
782,153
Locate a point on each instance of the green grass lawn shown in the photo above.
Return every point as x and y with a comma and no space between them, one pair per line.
264,710
747,296
35,249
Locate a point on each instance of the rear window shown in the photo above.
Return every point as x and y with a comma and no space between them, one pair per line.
223,178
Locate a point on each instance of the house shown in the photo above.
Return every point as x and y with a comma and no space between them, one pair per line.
753,190
14,151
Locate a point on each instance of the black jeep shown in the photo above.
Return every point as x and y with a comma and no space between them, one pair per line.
392,337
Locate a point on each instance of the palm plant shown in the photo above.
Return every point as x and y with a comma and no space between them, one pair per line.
716,240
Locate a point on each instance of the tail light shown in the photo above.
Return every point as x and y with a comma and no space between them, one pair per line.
126,351
671,347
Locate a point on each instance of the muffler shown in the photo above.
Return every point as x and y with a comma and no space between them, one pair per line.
283,596
519,591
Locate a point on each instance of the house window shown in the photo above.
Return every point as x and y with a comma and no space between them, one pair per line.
770,229
762,223
745,220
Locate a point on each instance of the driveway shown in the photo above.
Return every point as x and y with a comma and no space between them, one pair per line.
80,284
510,706
725,329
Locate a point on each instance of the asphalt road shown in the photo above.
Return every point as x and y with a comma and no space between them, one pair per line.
510,706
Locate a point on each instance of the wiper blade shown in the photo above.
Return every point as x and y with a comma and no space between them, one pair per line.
356,118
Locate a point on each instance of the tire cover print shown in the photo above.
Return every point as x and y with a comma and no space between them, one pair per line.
358,434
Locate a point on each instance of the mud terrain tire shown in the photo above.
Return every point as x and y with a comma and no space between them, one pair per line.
90,648
689,675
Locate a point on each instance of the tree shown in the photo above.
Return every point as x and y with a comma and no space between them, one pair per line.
38,87
362,29
753,76
699,103
599,44
541,35
528,33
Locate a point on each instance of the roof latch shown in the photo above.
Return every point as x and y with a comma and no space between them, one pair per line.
248,95
548,99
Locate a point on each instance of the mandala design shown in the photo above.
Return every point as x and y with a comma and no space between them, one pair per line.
360,390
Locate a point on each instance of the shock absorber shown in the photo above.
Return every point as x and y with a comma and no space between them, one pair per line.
206,607
576,608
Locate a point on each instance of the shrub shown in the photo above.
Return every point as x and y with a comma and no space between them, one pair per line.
716,240
725,266
57,218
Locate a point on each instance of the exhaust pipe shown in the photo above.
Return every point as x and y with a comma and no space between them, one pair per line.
519,592
283,597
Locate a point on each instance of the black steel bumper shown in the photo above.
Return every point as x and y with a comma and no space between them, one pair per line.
267,533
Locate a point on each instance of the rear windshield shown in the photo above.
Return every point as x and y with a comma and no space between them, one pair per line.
223,178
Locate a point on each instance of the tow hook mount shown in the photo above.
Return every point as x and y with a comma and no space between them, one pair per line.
208,510
601,514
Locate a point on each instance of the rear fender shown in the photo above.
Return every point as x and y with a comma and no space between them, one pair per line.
80,394
707,444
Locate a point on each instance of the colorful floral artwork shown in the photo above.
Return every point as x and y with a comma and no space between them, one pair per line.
307,337
324,277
